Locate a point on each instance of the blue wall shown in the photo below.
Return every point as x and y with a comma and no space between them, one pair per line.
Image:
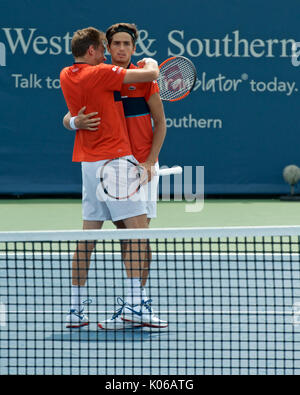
241,123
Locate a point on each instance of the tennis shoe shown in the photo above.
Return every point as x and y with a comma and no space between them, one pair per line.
143,314
116,322
77,318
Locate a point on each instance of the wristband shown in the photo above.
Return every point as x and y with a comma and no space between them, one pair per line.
72,123
149,60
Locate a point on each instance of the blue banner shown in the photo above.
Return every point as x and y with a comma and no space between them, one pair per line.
241,121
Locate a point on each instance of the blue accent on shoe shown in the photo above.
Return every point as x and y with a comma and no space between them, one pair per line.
87,302
146,303
77,313
122,303
134,311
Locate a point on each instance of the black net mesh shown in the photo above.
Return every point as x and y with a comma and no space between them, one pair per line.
231,304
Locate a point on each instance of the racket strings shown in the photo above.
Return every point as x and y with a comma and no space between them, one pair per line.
177,77
120,179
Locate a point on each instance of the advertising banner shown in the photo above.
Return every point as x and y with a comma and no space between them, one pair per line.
240,123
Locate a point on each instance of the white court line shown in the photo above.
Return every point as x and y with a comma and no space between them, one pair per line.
250,312
157,257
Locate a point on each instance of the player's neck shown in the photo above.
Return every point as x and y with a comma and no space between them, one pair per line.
121,64
83,60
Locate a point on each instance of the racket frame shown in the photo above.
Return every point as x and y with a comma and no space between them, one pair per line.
195,76
102,179
165,172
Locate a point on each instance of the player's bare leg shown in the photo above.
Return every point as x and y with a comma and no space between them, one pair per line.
147,254
82,256
80,267
137,256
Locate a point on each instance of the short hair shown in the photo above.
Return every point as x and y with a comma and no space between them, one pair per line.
129,28
84,38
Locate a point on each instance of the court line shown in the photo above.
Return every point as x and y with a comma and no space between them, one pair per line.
159,256
233,312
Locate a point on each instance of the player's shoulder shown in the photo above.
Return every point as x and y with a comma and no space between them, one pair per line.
108,67
65,70
104,66
105,70
75,69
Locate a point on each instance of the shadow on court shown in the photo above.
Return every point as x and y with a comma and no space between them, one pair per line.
129,335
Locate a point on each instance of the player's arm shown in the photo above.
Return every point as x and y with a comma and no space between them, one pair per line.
66,121
159,132
147,73
81,121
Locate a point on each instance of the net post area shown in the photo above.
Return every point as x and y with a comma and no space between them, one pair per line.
159,304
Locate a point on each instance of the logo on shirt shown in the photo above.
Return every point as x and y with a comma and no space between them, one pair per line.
132,88
117,69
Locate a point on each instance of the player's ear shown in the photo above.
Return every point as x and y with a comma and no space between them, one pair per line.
91,50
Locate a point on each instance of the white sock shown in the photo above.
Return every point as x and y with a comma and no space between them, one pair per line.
135,293
144,295
78,296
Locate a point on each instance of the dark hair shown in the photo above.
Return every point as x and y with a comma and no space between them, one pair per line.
129,28
82,39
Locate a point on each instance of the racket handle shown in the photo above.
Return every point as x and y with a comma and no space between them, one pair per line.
171,170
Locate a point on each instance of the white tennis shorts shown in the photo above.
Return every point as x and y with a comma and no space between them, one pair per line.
151,194
97,209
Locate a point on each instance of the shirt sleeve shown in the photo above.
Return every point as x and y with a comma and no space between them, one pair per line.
153,88
110,77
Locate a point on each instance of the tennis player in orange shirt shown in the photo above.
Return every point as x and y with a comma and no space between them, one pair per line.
99,91
142,103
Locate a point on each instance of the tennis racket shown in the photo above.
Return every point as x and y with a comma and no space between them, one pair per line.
177,78
122,178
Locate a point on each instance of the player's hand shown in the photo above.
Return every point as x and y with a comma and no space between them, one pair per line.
149,172
141,63
86,121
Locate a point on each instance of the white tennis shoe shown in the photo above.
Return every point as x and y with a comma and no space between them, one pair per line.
77,318
116,322
143,314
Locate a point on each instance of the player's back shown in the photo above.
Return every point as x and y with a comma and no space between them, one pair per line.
97,88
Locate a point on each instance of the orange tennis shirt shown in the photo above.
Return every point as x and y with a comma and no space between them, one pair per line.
137,114
98,88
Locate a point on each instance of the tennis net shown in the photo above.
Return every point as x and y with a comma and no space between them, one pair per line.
230,296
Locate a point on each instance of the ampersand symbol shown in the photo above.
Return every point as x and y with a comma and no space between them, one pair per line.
143,35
